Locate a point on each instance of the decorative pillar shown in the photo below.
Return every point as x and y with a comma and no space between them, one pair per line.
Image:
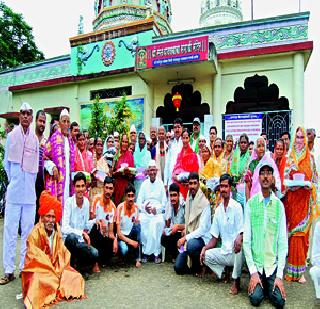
216,106
297,104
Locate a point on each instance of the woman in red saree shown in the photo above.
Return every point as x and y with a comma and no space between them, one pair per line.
122,162
187,162
279,156
300,206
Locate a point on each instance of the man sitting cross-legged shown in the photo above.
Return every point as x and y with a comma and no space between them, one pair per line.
265,243
102,232
152,200
47,273
128,226
228,224
76,226
175,222
198,222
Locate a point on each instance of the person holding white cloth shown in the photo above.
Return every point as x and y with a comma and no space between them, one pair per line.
151,201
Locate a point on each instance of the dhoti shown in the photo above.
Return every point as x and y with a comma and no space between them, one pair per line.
151,231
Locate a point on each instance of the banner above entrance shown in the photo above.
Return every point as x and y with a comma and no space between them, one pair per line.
175,52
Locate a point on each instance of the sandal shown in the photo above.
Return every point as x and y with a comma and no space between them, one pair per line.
7,278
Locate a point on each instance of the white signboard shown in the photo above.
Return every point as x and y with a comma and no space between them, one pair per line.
251,124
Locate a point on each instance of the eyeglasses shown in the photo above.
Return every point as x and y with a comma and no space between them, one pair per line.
217,146
266,173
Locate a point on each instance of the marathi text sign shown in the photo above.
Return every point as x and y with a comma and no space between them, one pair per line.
251,124
163,54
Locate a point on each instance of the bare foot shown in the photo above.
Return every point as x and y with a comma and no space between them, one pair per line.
201,273
96,268
302,280
138,264
235,287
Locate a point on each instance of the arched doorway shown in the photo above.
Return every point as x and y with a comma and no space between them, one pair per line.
190,108
258,96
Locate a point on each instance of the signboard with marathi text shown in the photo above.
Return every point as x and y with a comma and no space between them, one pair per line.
251,124
175,52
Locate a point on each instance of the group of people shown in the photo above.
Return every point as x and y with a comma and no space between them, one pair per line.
205,204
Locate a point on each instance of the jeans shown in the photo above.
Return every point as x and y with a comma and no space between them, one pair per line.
124,249
103,244
194,247
82,255
259,294
170,243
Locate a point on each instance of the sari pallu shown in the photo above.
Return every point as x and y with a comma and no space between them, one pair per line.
121,181
301,209
187,161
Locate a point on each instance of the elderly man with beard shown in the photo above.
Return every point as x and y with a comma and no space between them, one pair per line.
228,224
47,273
60,164
21,163
197,226
265,242
39,130
151,201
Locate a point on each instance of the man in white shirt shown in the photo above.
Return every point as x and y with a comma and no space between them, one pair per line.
197,227
76,227
228,224
315,260
151,201
173,151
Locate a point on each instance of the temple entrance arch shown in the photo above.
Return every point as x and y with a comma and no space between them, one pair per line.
257,96
190,107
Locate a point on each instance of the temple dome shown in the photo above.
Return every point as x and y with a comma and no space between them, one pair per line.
218,12
114,13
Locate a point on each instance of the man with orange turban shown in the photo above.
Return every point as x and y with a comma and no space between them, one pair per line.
47,276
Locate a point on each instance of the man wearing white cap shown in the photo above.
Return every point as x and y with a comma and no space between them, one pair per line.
133,134
21,163
151,201
194,138
60,151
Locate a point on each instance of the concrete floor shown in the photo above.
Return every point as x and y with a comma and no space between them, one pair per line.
157,286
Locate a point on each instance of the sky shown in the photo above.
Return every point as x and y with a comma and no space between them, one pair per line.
54,22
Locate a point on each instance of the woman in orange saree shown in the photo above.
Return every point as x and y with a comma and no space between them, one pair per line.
300,206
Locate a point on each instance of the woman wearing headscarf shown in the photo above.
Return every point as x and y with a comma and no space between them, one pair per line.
260,157
142,157
300,205
101,170
279,156
187,162
205,154
122,171
239,166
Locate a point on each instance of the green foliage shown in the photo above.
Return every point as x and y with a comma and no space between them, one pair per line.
17,44
98,120
121,116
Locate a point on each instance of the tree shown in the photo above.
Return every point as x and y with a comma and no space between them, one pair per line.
98,120
120,120
17,44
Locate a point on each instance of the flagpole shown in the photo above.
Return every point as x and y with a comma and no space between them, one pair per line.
251,9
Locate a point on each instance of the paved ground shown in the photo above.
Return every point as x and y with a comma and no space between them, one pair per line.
157,286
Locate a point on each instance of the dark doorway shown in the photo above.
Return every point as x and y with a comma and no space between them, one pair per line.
190,107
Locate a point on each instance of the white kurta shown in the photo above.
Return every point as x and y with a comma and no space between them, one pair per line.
152,225
315,260
171,159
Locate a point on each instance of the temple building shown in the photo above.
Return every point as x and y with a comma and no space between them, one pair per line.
228,71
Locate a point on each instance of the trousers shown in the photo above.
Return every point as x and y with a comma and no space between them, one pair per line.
124,248
315,275
259,294
217,261
13,215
